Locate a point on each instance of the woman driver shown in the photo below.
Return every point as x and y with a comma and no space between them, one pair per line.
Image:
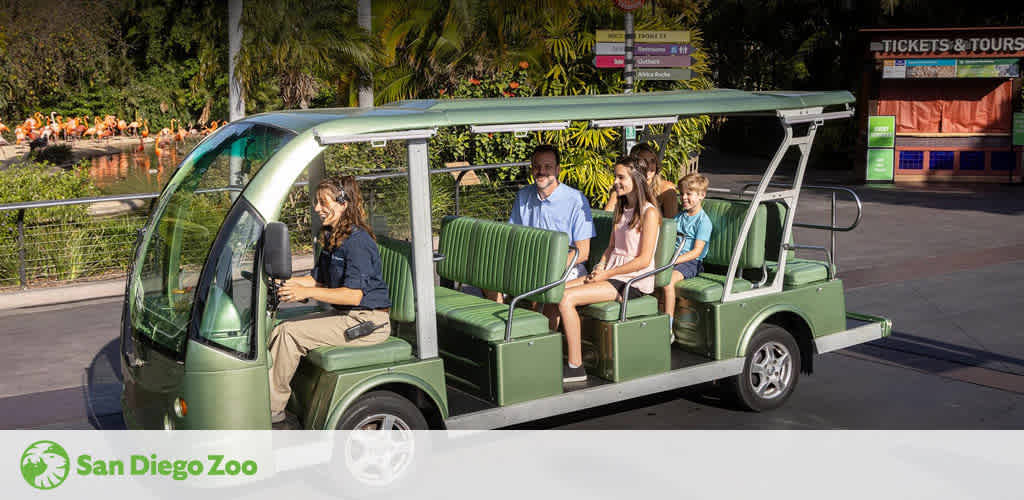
347,275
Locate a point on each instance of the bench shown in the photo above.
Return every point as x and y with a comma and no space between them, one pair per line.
799,272
513,260
727,221
623,350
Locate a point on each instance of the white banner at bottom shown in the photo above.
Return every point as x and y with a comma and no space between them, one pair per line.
512,464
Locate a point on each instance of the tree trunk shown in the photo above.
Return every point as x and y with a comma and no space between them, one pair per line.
365,80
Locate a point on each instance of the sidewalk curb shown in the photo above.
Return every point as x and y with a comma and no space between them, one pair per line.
24,299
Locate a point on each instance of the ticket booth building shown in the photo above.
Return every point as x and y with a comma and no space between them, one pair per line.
953,93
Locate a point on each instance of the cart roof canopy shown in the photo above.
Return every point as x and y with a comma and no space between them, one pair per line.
433,113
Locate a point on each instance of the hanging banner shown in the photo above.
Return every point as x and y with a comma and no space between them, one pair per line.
664,74
644,36
643,49
987,68
643,61
1018,129
931,68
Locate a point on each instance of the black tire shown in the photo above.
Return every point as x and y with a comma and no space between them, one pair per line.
382,403
771,370
357,468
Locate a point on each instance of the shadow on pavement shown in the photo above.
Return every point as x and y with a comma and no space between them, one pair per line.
102,388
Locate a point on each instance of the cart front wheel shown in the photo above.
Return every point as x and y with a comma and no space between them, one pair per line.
771,370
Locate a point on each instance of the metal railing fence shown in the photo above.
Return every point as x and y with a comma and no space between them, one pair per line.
53,241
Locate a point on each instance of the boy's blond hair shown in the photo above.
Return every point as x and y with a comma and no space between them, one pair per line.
694,182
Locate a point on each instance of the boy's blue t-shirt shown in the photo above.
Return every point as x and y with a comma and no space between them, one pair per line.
695,227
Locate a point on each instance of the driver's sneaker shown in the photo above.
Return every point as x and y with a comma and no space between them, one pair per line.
283,421
570,374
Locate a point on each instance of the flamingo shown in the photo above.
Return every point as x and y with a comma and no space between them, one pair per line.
134,126
121,125
145,128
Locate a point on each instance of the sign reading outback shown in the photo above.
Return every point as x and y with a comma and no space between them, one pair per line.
954,45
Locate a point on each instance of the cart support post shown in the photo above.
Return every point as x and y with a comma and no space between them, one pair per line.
422,249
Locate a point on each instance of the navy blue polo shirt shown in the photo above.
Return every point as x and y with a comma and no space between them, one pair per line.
354,264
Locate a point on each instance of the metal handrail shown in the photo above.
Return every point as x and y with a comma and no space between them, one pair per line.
625,290
563,279
853,194
96,199
830,252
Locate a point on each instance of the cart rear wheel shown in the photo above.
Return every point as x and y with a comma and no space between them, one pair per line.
771,369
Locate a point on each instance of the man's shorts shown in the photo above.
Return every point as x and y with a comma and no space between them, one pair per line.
690,268
577,272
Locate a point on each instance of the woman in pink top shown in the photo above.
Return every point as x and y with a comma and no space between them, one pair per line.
630,252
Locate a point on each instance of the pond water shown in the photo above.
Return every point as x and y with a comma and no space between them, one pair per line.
131,171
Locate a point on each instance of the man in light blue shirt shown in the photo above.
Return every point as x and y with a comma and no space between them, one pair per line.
549,204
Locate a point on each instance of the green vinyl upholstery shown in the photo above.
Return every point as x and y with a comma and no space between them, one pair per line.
603,224
507,258
727,221
396,258
513,260
333,358
635,308
799,272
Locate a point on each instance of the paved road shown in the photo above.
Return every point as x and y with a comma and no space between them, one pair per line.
945,263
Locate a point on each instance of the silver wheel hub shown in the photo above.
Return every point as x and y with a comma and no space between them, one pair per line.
771,370
380,449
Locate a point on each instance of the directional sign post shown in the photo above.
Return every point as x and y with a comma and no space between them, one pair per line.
643,61
664,74
643,49
619,36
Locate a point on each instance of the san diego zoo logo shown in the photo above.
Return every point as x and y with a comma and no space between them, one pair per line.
44,465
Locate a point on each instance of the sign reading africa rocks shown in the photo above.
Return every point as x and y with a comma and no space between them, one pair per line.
664,74
950,45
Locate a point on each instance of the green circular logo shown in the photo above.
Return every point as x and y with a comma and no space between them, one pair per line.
44,465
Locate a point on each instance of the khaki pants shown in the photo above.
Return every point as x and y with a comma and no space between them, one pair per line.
293,339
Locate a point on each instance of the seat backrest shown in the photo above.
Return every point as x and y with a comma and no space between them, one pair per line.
727,221
773,235
603,222
396,264
502,257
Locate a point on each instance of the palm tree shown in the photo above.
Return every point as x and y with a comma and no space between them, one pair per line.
302,44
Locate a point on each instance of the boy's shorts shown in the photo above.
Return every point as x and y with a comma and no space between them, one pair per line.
690,268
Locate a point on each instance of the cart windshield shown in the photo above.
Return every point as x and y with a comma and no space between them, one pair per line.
185,223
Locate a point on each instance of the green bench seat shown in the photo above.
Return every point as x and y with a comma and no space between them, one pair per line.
609,311
708,287
512,260
487,322
334,358
799,272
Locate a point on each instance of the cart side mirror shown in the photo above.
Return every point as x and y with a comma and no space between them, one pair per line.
277,251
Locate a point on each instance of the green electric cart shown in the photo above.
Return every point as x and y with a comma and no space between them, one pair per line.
200,302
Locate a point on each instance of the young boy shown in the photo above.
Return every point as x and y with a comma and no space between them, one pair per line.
695,226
